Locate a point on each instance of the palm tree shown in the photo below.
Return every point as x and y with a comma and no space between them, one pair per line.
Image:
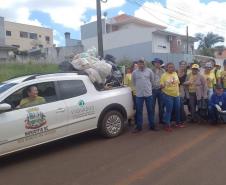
207,43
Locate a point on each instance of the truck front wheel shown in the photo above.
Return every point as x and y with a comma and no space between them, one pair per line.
112,124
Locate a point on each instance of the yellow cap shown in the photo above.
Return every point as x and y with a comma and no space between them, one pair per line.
195,66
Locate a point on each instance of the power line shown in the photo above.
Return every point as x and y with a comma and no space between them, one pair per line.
186,14
146,10
183,14
192,20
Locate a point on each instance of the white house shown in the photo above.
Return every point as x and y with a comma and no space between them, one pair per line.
131,37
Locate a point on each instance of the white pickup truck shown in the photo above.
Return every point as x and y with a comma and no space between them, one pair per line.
72,105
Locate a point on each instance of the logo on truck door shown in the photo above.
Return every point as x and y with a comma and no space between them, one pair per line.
82,110
35,118
81,103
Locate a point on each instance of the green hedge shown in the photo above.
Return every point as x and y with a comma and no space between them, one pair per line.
10,70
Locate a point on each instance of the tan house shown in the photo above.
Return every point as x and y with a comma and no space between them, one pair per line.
26,37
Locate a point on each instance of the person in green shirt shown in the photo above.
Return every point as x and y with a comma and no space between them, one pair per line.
32,99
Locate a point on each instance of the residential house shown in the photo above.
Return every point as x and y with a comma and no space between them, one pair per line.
220,54
54,54
5,50
25,37
126,36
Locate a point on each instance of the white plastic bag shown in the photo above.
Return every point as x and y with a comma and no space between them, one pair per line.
80,63
96,69
92,52
103,68
94,76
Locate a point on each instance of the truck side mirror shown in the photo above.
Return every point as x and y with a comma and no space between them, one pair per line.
5,107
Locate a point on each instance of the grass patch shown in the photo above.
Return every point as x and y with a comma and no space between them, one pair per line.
10,70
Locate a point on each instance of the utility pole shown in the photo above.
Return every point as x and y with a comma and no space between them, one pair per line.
187,38
99,29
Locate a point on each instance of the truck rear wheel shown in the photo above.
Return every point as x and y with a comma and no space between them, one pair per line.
112,124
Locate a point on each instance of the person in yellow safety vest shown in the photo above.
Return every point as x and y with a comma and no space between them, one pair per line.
210,78
129,83
128,79
222,79
217,72
215,69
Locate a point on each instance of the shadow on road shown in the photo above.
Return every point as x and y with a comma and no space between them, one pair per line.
49,148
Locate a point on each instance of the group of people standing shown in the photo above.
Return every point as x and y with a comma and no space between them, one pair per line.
201,89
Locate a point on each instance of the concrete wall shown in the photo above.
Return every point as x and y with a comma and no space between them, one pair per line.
144,50
129,26
172,57
121,38
132,52
90,30
72,42
4,54
160,43
60,54
52,55
2,31
28,43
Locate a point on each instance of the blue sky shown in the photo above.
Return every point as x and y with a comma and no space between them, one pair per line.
67,16
45,19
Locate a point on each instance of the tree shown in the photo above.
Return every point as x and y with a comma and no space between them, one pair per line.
207,43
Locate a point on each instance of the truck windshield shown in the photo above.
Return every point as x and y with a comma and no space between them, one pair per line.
5,86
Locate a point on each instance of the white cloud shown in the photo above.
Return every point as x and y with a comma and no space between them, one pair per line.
23,17
121,12
58,39
93,18
198,16
112,4
20,15
68,13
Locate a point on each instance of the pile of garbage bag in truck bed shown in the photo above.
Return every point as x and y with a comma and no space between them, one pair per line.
102,73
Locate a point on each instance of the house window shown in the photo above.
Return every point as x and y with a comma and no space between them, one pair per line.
47,39
114,28
17,46
8,33
33,36
178,42
23,34
162,46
